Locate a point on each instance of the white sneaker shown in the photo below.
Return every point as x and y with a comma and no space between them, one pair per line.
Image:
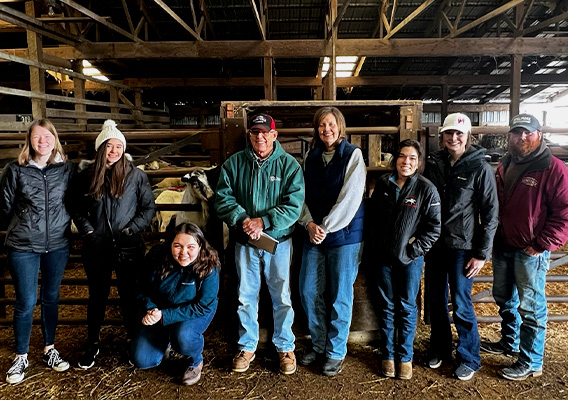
16,373
54,361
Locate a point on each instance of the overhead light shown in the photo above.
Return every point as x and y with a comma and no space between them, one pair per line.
346,59
101,77
91,71
86,64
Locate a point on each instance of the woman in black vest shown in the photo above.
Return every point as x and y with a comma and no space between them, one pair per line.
32,210
334,173
405,208
113,205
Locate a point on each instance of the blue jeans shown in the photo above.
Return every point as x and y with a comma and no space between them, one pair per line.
186,338
251,264
333,269
398,288
518,290
24,269
445,266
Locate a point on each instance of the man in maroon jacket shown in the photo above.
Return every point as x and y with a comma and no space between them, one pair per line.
532,188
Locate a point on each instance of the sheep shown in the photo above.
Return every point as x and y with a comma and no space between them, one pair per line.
169,183
164,217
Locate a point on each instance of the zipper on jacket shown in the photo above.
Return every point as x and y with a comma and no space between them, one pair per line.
46,211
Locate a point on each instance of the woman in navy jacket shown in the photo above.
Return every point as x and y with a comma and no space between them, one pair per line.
179,300
32,209
406,217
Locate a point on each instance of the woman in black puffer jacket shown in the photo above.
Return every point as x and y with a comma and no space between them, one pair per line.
113,203
32,209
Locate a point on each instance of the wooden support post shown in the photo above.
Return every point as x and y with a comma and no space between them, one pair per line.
515,88
37,79
410,122
332,63
444,109
375,150
79,93
268,79
113,92
138,103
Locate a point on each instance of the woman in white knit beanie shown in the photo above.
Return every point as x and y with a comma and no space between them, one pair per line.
114,204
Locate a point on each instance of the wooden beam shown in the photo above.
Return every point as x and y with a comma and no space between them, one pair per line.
205,12
412,15
149,18
430,47
22,20
258,19
545,24
268,79
515,91
504,8
99,19
37,75
341,13
79,93
128,18
460,12
178,19
38,64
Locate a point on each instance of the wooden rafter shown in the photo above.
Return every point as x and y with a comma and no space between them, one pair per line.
148,17
393,12
258,19
460,12
498,11
22,20
545,24
178,19
205,13
341,13
434,27
128,18
528,8
99,19
412,15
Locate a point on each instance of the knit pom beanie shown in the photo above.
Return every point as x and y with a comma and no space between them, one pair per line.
109,131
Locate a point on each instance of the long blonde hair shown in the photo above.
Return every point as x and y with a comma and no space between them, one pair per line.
28,152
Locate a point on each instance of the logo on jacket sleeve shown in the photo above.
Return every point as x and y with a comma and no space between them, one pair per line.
275,178
410,201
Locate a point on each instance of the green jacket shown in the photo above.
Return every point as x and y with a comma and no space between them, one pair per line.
273,191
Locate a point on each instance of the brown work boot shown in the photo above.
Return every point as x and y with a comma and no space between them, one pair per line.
242,360
387,367
405,370
287,362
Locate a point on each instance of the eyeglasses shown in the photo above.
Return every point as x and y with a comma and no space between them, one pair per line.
256,132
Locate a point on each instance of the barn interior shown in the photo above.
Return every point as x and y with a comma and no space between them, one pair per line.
181,77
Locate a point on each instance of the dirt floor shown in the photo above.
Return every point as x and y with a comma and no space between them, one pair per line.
113,378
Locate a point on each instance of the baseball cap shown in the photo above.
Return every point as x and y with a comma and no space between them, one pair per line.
457,121
262,120
527,121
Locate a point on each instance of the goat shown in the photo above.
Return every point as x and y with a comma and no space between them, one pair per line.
197,191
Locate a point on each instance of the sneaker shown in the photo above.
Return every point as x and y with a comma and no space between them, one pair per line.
464,373
54,360
192,375
434,361
310,356
387,368
332,367
242,360
16,372
497,348
519,372
287,362
87,359
405,370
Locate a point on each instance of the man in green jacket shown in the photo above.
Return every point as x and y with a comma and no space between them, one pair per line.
261,192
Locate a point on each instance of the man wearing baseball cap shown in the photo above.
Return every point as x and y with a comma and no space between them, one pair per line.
532,188
261,191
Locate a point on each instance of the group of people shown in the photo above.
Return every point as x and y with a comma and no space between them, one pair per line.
167,298
450,212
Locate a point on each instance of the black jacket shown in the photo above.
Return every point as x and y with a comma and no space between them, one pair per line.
134,210
407,228
469,200
32,206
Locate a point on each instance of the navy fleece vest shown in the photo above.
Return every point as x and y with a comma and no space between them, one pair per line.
323,184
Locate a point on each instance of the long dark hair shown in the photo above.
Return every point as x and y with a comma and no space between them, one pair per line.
28,152
339,118
207,259
117,175
410,143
